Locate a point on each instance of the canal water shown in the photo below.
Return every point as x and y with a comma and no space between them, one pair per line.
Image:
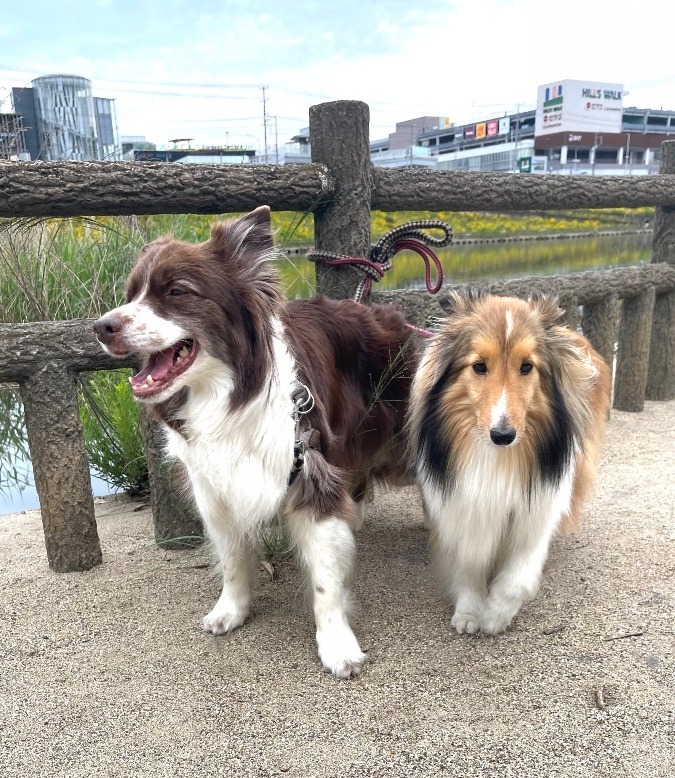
23,496
464,263
461,264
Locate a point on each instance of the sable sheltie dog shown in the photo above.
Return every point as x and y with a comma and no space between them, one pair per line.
507,416
223,359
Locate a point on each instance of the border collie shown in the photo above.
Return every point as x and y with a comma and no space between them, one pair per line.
507,416
223,362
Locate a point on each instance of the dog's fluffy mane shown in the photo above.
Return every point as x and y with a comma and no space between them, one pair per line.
566,373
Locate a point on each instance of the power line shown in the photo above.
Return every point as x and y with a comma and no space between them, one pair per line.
215,121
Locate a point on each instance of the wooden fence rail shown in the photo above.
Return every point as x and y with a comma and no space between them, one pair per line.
634,306
123,188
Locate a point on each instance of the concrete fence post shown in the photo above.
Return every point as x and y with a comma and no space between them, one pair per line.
632,361
599,326
60,468
340,140
661,375
571,318
176,521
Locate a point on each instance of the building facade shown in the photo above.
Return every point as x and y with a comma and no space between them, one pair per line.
64,121
577,128
12,141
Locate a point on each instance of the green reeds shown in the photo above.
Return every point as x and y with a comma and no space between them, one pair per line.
112,431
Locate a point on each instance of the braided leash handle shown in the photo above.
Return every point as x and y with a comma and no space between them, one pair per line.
385,248
410,236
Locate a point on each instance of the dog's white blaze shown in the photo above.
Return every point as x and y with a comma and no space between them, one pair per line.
491,518
499,410
509,324
144,330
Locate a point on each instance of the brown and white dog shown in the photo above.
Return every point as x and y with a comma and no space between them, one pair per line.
223,357
507,416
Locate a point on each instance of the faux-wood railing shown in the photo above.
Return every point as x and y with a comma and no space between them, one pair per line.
634,306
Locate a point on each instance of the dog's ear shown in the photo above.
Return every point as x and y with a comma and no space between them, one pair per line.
547,309
252,232
260,217
461,300
258,228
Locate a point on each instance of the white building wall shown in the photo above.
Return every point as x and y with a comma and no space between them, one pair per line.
485,159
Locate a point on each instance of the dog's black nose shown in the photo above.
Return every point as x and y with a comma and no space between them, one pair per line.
107,326
502,436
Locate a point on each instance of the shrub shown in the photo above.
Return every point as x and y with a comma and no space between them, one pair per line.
13,442
111,420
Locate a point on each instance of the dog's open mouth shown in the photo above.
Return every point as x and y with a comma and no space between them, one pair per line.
163,367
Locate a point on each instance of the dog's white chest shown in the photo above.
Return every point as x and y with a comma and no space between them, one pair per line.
241,478
238,460
491,504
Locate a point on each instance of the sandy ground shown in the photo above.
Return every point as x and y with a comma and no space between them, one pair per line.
107,673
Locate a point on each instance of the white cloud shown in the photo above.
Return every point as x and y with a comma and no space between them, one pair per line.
465,59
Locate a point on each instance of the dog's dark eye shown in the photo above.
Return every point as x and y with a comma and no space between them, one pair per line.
176,292
479,367
526,368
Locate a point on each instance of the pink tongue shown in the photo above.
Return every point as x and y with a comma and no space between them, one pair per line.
158,366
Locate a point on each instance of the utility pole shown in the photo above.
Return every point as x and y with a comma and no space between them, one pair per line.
517,137
264,102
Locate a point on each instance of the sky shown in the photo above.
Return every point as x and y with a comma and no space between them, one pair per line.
180,69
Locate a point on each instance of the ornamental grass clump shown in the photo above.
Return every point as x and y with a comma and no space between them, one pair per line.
53,269
112,431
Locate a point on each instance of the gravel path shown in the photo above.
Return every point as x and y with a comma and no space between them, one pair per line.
107,673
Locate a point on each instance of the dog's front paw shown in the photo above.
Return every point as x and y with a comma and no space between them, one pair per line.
340,653
495,618
465,623
223,619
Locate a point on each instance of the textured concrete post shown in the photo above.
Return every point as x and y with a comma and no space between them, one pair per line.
340,140
571,317
599,326
663,242
632,361
661,377
176,521
60,469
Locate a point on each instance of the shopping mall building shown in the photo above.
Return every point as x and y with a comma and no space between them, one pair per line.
577,127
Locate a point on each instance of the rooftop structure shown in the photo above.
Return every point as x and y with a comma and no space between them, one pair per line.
218,155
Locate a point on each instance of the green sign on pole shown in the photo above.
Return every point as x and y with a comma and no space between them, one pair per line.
525,164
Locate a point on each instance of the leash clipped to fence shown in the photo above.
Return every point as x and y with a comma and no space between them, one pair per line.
410,236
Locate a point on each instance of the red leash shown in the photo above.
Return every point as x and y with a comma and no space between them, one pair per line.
408,237
419,331
428,256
